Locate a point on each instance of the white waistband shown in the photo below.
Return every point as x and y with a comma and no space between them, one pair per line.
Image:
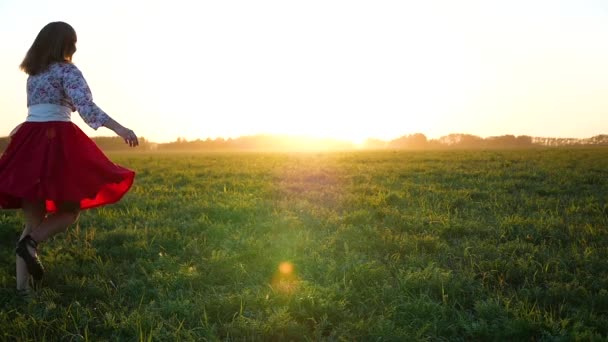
48,112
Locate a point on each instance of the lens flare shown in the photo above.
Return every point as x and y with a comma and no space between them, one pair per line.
285,280
286,268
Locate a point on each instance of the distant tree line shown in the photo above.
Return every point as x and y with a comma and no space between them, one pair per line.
417,141
258,143
458,140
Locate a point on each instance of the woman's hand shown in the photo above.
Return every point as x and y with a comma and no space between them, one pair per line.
123,132
129,136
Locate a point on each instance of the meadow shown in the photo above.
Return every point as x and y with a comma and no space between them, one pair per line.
344,246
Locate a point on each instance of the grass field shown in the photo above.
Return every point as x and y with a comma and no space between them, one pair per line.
367,246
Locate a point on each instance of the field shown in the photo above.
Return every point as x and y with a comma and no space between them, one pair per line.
367,246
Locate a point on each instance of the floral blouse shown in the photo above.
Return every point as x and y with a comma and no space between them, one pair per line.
63,84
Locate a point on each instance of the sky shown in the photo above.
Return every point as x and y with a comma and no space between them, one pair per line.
346,69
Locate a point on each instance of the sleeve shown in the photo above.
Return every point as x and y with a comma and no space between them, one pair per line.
78,91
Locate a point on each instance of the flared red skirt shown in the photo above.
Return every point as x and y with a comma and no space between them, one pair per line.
57,163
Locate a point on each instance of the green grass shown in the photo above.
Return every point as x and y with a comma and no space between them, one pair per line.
385,246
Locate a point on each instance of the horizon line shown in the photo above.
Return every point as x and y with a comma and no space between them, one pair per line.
341,140
345,140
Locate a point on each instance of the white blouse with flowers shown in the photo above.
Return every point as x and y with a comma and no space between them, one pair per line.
63,84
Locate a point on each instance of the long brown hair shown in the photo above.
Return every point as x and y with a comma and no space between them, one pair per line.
56,42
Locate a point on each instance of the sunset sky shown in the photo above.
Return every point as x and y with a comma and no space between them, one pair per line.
344,69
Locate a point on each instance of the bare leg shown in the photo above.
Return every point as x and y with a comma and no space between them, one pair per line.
53,224
34,213
40,227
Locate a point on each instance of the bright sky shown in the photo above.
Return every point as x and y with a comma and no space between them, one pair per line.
347,69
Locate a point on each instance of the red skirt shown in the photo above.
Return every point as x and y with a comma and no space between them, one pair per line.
56,162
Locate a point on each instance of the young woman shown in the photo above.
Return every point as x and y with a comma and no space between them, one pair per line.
51,169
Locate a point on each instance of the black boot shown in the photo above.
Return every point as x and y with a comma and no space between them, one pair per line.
33,263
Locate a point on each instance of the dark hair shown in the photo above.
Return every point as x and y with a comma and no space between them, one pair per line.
56,42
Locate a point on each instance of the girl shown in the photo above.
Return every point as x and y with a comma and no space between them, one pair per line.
51,169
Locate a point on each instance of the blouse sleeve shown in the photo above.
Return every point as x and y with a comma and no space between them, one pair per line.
78,91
